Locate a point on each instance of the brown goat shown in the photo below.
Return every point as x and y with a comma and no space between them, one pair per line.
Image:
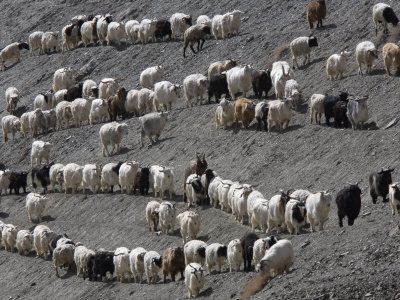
154,217
116,105
391,57
195,34
173,262
141,181
316,12
73,93
198,166
220,66
245,111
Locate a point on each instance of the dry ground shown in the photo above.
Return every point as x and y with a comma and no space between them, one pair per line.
350,263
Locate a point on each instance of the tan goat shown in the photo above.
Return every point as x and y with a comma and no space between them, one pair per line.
244,111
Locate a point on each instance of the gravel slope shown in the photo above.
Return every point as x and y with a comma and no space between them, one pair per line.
351,263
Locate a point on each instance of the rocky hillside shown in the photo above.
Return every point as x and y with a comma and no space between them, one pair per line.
337,263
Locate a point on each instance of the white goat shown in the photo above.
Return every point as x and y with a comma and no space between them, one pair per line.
91,177
136,259
35,205
167,214
190,225
318,206
111,134
336,65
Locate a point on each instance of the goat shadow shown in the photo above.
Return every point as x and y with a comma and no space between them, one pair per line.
67,274
325,27
175,197
11,66
303,107
30,254
370,126
288,129
48,218
169,40
52,53
207,292
32,228
88,191
164,139
122,150
197,52
236,130
375,72
203,238
21,193
110,283
348,76
159,141
177,278
19,111
122,47
158,41
176,232
4,215
215,271
314,61
92,45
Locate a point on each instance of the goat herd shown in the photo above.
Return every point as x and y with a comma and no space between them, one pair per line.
201,186
90,102
99,28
